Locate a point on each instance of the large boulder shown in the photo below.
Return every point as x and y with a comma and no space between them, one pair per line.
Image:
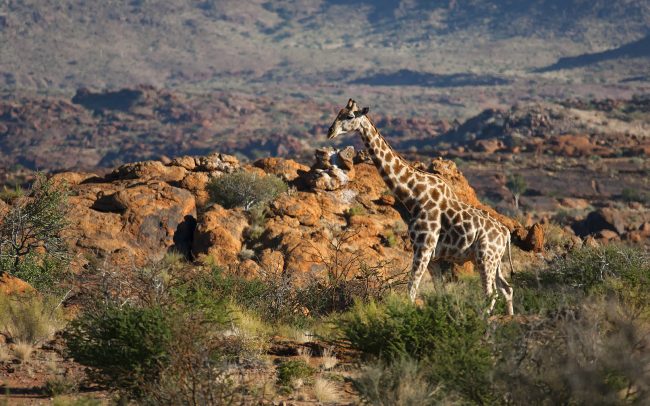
219,233
130,223
10,285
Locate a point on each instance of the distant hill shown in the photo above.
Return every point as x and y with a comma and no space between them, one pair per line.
63,45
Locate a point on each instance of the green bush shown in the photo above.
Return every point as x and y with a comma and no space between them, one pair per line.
635,195
354,211
30,318
448,333
244,189
168,321
127,345
60,385
607,268
31,245
290,370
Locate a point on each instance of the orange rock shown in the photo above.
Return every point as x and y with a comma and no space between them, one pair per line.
219,233
71,178
287,169
301,205
387,199
10,285
607,235
149,170
196,183
129,223
248,269
272,261
535,238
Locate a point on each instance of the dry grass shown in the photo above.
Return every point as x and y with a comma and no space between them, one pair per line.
23,350
297,383
305,353
329,360
30,318
326,391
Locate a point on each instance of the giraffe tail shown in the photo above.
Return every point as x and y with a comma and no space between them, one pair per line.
512,268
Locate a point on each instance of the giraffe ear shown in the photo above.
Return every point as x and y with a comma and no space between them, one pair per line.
365,111
351,104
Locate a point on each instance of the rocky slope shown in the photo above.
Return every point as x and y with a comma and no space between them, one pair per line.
604,128
103,129
338,207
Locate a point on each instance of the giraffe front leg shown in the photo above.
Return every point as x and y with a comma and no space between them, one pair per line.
421,257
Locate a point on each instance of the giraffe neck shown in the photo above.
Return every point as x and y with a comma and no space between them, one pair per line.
395,170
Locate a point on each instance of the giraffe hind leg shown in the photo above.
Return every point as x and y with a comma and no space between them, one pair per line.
505,289
486,271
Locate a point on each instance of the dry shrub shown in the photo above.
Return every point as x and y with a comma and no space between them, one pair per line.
401,383
328,359
23,350
30,318
326,391
596,354
347,275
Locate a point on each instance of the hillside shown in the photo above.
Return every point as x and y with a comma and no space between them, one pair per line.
61,45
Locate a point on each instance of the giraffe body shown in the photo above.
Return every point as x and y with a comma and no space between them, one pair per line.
441,227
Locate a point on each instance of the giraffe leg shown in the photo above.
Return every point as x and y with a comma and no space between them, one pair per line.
421,257
505,289
487,271
435,270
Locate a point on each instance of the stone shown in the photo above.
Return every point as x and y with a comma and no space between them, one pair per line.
591,242
217,162
287,169
187,162
219,234
10,285
387,199
574,203
302,206
147,170
333,169
535,238
129,224
605,219
607,235
196,183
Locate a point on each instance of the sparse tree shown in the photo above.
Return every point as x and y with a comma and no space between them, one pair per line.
31,244
517,186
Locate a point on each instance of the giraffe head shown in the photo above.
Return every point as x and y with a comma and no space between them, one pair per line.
348,120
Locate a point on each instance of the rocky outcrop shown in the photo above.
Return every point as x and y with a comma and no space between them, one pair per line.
333,168
570,129
139,211
336,209
612,224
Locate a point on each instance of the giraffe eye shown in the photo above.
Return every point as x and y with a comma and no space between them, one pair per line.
350,116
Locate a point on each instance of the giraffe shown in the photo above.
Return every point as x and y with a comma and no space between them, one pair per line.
441,226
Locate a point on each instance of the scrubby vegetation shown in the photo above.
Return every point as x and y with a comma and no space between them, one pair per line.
582,339
31,243
245,189
179,332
